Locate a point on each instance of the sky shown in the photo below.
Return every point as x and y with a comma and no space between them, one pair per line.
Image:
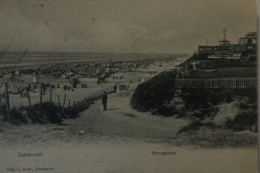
122,26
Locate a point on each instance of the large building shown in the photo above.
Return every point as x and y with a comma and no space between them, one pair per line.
245,49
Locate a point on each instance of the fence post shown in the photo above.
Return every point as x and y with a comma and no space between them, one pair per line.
41,94
64,100
82,105
59,103
28,96
7,100
74,105
89,100
78,106
50,94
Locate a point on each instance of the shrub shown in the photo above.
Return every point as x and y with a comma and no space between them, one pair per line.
152,94
69,114
3,111
243,121
243,106
175,105
158,96
47,112
17,117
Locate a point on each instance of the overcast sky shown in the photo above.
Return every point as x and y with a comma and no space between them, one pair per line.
137,26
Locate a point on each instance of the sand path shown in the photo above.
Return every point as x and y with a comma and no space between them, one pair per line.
121,121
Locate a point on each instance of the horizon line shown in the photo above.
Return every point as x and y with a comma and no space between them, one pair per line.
91,52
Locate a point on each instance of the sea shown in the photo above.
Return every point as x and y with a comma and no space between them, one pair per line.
27,59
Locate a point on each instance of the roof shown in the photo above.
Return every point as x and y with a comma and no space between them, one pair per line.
251,35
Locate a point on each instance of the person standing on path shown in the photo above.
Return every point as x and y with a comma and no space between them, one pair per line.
104,101
117,88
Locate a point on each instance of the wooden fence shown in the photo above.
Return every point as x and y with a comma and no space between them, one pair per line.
83,104
216,83
66,105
